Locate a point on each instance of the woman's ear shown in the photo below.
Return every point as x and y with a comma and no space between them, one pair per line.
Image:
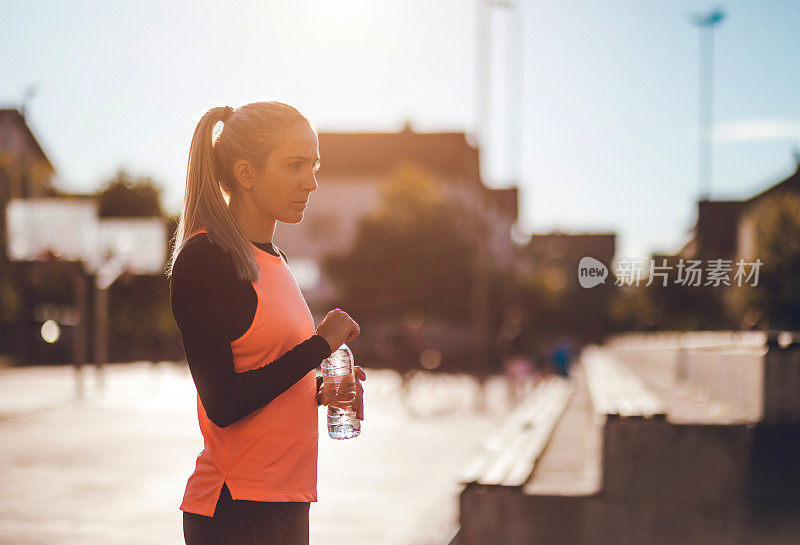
244,173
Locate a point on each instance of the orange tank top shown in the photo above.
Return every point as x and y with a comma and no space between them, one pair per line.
271,454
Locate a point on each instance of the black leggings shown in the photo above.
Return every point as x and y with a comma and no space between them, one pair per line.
245,522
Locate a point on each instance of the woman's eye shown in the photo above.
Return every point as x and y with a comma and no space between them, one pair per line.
298,165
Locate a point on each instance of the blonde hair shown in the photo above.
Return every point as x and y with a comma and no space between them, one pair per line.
250,132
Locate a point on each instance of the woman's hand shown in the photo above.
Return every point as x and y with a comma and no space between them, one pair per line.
338,327
358,404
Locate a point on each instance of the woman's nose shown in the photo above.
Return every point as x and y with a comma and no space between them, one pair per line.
311,183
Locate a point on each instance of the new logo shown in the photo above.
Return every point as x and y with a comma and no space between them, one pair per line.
591,272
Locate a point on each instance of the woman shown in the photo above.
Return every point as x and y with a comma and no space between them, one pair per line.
248,334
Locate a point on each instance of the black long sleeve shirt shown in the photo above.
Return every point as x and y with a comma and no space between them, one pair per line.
213,308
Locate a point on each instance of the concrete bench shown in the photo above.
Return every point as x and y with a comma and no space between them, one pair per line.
509,457
660,456
756,374
615,390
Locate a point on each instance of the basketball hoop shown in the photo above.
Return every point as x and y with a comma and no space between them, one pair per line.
70,229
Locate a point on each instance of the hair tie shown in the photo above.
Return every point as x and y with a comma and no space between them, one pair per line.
227,114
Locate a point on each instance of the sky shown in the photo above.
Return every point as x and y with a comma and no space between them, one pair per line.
604,95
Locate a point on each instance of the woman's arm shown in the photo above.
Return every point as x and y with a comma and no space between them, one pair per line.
200,287
229,396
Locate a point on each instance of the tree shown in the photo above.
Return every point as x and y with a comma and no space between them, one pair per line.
673,307
126,196
415,252
676,306
775,300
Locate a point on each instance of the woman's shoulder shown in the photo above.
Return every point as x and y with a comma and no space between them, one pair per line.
201,257
201,285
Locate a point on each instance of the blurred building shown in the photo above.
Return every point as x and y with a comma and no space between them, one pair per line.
554,257
25,170
355,166
724,229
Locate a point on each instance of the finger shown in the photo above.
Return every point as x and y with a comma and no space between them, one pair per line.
360,401
359,391
360,373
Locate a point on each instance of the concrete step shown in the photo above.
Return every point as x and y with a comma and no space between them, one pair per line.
686,402
511,454
571,465
730,380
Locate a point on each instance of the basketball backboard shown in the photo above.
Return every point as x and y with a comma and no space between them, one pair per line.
141,243
65,227
137,245
69,229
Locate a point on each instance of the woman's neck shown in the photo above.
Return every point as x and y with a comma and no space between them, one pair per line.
254,227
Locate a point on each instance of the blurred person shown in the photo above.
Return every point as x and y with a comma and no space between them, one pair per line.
517,366
248,335
520,374
561,356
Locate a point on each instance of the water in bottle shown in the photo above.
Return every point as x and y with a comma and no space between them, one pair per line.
338,372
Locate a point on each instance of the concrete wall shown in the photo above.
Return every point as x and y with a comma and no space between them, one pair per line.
662,485
503,517
747,369
782,384
734,375
667,484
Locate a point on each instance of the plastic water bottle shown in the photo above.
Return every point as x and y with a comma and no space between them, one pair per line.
339,377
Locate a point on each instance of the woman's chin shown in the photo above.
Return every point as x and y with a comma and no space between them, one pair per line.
295,216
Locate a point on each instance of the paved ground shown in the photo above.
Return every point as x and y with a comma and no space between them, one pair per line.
112,468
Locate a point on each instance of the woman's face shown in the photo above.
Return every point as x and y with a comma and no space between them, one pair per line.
282,186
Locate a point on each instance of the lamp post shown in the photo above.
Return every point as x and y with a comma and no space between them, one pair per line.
483,73
481,225
516,92
706,22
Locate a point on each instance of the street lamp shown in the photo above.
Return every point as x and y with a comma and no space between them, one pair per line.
706,22
480,292
483,74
